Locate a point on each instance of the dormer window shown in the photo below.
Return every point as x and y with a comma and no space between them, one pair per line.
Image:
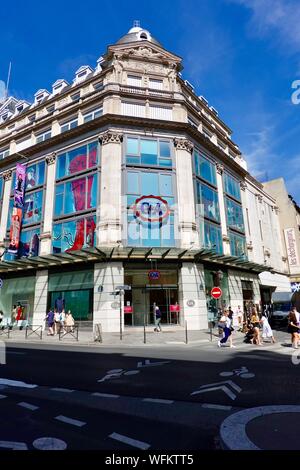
40,96
82,73
20,108
58,86
144,35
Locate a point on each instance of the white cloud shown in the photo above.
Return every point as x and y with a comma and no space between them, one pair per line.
281,17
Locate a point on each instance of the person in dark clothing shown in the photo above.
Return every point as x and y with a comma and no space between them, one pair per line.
157,319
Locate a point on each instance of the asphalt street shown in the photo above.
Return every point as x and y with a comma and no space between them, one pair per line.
154,398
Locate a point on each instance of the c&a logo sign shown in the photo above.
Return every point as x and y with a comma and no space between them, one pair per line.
151,209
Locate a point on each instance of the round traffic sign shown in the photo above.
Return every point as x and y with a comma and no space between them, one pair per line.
216,292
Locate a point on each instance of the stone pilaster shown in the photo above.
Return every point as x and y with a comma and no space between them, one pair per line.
7,176
186,200
45,246
109,228
40,298
225,237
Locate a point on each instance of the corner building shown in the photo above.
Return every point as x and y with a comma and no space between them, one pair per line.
132,179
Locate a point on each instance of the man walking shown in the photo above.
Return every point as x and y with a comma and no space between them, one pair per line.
157,318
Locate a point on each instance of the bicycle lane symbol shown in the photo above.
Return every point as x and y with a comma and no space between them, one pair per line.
242,372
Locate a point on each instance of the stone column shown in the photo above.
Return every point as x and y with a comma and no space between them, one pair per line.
40,298
107,276
185,192
46,235
225,237
192,298
5,203
109,227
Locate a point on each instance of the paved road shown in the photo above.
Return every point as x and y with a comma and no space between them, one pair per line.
175,397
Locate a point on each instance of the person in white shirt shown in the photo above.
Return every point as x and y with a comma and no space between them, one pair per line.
225,323
237,319
267,330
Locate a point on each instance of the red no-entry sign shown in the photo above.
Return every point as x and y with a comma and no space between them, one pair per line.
216,292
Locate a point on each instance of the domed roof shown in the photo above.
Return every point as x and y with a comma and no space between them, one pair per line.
136,34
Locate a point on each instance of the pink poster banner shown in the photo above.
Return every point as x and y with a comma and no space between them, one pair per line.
19,185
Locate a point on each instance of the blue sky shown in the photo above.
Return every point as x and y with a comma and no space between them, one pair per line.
242,55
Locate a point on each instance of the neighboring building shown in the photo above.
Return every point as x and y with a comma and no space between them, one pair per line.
131,179
289,220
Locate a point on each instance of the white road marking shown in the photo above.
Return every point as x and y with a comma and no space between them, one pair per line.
220,387
216,407
13,445
132,372
66,390
229,382
28,406
74,422
16,383
127,440
3,396
159,400
16,352
49,443
233,429
148,363
105,395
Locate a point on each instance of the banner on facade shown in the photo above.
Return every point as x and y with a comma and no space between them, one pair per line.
291,246
15,228
19,185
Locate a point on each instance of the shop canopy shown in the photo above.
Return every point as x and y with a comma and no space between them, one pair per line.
107,254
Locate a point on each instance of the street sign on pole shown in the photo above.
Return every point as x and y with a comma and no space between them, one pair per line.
216,292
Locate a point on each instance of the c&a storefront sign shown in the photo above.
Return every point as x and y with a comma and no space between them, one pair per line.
151,209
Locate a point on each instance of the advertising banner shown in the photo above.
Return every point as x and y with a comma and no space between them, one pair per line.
292,251
19,185
15,229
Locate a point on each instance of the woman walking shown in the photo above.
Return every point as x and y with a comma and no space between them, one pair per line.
225,323
266,329
255,321
293,327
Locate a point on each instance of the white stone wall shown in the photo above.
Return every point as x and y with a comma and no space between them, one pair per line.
108,275
191,287
40,298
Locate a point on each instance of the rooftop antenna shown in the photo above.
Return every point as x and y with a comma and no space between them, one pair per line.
136,24
7,82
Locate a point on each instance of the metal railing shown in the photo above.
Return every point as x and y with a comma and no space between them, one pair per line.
36,330
98,333
6,330
72,331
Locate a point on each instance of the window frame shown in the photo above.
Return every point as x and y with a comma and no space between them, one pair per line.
159,157
43,135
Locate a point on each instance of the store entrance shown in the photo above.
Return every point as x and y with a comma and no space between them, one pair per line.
143,301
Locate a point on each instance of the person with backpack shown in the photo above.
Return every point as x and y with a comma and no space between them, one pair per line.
157,319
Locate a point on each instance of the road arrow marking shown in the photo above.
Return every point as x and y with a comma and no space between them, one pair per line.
229,382
149,364
222,387
13,445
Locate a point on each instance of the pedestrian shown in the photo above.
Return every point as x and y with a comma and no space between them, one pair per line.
56,321
50,322
237,319
255,321
157,319
62,319
266,329
293,326
225,323
69,322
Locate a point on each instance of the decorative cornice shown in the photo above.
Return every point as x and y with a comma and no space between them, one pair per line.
111,137
284,258
243,185
225,238
219,168
183,144
259,197
50,159
249,246
7,175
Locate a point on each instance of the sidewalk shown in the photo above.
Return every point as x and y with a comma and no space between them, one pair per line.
130,337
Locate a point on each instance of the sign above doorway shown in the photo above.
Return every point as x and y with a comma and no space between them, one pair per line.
153,275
